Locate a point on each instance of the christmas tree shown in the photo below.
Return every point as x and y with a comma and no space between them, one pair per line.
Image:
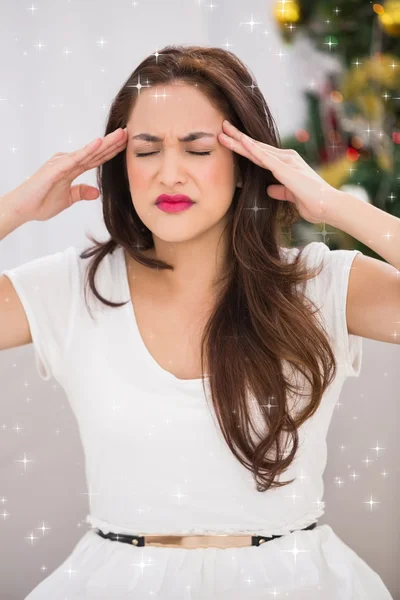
352,133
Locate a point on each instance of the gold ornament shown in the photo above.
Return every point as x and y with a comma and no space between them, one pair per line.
336,173
390,17
364,85
287,11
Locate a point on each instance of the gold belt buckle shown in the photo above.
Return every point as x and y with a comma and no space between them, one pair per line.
198,541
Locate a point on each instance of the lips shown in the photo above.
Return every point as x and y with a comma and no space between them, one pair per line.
174,198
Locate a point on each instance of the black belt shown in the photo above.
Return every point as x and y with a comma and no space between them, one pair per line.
182,541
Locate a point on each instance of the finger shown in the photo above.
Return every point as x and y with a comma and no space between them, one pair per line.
94,148
76,163
105,156
247,148
265,157
110,141
260,147
238,135
83,191
279,192
238,147
254,153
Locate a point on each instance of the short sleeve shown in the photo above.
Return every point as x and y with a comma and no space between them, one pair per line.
331,287
46,287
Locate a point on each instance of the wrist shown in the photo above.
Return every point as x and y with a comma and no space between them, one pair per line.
10,218
338,207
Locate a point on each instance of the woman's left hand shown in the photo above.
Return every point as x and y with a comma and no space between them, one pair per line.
313,196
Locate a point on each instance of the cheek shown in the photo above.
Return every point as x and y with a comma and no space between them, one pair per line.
138,177
212,173
218,173
223,175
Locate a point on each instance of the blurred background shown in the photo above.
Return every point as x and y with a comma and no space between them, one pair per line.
330,73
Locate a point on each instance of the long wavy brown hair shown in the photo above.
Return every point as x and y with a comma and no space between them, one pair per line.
262,319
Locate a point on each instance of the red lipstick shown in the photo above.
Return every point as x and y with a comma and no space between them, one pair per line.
175,203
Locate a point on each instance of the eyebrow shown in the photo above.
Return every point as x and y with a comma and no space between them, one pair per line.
190,137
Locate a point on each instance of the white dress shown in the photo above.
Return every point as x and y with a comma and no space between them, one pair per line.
156,461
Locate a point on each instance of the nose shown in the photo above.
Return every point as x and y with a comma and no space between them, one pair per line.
171,169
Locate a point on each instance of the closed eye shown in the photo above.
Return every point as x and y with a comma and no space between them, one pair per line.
197,153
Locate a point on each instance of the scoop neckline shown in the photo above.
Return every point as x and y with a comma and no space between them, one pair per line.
151,361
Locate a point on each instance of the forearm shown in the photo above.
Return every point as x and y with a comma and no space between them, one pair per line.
9,218
373,227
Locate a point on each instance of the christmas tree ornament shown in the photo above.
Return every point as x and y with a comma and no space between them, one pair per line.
390,17
287,12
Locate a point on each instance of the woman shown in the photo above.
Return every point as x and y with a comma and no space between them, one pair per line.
203,406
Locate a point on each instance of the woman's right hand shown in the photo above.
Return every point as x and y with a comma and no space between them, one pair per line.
49,191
